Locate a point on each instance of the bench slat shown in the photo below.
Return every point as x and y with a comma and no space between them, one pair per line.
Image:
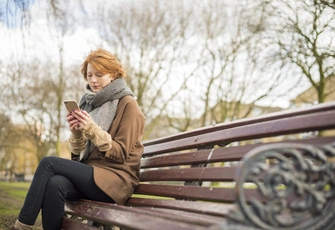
128,217
226,195
291,125
245,121
187,192
190,174
216,209
189,217
215,155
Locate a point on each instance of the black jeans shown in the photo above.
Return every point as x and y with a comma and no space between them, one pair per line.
57,180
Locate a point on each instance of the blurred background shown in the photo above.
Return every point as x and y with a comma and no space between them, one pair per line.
190,63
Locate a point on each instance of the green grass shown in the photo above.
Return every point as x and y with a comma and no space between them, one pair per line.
16,190
12,195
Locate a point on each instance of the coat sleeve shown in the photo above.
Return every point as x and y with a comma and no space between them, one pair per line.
100,138
77,143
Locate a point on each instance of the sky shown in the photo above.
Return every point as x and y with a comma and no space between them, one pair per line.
11,11
76,45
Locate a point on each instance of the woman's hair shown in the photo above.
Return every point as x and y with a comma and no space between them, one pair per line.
104,62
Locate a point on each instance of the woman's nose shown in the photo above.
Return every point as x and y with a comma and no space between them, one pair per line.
94,79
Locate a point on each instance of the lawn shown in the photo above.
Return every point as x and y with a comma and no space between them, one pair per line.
12,195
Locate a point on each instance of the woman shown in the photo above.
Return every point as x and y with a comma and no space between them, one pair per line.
105,144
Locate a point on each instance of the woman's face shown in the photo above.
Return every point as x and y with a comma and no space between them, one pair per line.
96,80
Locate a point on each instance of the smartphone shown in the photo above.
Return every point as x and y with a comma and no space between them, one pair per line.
71,105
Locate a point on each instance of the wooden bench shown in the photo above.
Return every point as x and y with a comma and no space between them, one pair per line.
270,172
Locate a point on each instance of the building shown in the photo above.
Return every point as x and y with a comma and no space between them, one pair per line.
310,96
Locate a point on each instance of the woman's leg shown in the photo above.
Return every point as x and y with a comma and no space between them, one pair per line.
56,180
58,189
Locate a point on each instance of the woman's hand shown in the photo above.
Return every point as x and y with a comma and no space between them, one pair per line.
82,117
72,121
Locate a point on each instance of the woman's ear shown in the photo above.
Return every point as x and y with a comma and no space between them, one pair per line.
113,76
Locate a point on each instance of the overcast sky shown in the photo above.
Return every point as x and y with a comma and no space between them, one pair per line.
38,38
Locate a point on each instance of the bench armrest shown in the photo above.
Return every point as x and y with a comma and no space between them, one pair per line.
295,186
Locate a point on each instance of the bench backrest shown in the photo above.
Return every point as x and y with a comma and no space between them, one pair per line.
172,167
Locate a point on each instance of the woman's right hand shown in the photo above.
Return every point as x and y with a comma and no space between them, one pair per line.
73,122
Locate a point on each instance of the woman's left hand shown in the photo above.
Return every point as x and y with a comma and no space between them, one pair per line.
83,118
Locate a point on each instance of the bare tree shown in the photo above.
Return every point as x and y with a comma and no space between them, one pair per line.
229,77
6,142
150,39
302,39
56,78
329,3
15,150
188,59
60,16
183,59
15,13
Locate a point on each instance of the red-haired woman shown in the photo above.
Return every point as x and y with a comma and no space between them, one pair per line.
105,144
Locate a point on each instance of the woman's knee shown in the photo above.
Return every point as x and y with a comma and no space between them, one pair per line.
56,181
47,160
55,185
60,187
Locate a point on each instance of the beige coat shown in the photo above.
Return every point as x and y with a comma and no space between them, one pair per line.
117,171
